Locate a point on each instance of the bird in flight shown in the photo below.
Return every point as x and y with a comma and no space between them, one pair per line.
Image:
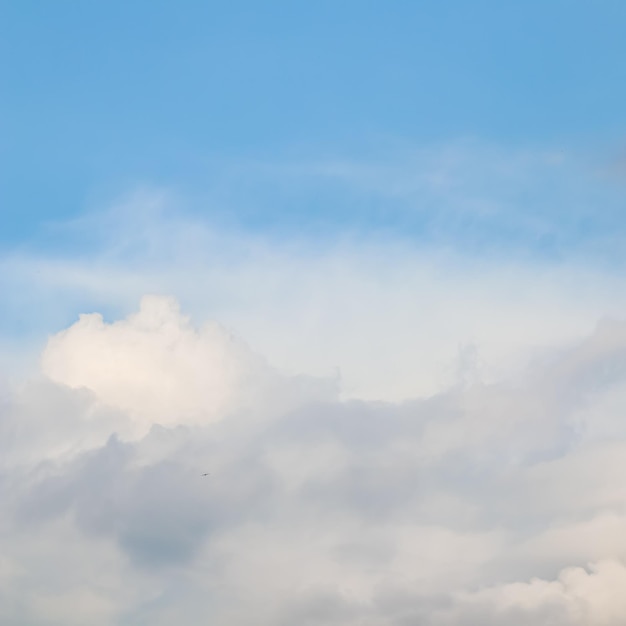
207,474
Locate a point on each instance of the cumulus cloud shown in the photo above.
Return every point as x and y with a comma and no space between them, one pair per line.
578,596
485,503
156,367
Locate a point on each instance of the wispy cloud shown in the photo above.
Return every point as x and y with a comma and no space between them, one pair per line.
392,316
471,195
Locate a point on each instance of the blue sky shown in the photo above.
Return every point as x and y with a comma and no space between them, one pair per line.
488,132
98,98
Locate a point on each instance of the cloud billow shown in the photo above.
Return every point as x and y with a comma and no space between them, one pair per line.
488,504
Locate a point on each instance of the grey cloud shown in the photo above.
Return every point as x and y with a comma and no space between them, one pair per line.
437,512
160,513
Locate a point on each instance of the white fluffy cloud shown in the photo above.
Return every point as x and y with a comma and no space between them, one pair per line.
486,503
157,368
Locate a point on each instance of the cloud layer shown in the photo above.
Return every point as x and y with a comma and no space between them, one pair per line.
392,316
483,504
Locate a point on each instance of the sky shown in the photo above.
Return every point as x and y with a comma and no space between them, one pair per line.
360,262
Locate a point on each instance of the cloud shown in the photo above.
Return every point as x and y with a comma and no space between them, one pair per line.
156,367
308,305
578,596
396,433
486,503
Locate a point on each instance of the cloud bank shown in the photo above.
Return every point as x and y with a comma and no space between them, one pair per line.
392,316
398,429
484,503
